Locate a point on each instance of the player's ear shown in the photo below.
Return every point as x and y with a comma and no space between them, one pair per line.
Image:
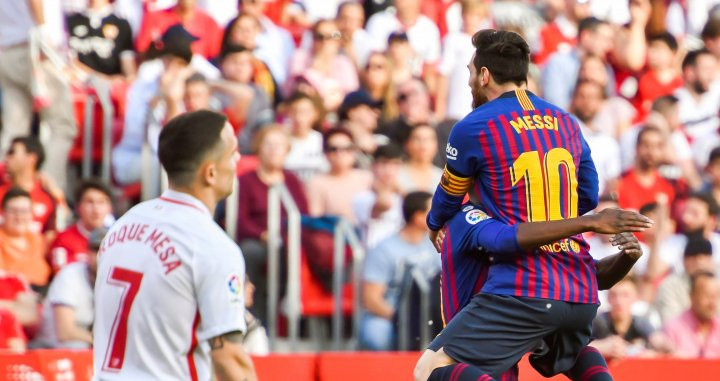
484,76
209,173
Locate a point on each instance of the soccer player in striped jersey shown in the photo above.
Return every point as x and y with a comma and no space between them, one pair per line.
523,160
471,237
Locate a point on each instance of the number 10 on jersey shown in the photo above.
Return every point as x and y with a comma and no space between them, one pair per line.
543,188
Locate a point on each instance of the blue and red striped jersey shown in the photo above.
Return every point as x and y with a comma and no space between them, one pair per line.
523,160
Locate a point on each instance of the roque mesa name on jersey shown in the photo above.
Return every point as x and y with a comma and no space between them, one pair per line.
158,241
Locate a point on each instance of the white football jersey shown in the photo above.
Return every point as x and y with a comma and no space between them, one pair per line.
168,279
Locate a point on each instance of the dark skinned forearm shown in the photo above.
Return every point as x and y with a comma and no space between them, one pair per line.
535,234
614,268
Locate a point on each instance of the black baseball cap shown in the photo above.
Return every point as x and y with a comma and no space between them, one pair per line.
175,41
354,99
397,36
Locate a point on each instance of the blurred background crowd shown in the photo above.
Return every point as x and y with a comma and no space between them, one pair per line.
349,105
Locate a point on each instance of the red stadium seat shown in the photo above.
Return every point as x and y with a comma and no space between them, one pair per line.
80,97
314,300
247,163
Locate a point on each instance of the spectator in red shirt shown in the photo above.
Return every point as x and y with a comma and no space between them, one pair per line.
94,206
18,310
196,21
559,33
643,183
22,164
12,337
272,145
662,77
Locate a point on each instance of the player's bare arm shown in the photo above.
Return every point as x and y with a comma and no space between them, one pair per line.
230,360
612,269
609,221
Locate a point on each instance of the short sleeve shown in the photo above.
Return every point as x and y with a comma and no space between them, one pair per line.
220,290
64,288
377,267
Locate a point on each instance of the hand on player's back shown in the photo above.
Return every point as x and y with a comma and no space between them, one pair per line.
628,244
615,221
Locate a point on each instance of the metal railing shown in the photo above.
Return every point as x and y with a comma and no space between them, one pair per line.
415,277
279,197
345,233
101,95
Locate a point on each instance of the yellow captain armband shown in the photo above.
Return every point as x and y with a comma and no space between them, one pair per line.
455,185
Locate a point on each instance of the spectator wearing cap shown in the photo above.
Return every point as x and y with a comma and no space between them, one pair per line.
359,114
68,309
422,34
193,19
698,218
28,86
379,209
418,173
304,120
94,206
662,76
102,41
587,101
453,100
23,161
673,295
21,250
272,145
696,333
160,82
595,37
329,72
333,193
643,183
699,99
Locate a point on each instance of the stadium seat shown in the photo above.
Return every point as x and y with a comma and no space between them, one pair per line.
80,98
314,300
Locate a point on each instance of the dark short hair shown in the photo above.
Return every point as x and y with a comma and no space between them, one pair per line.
708,200
12,193
415,202
388,151
505,54
697,277
697,246
335,131
92,184
711,28
590,24
317,103
647,129
186,141
648,208
714,155
663,103
692,56
196,77
32,145
666,38
589,82
232,48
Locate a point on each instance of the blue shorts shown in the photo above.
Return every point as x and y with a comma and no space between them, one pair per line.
494,332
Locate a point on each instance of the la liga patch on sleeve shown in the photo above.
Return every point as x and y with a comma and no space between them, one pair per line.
474,216
235,288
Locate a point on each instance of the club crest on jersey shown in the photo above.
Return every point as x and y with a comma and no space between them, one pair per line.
476,215
235,287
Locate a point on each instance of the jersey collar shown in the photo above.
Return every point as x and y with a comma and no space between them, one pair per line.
511,94
184,199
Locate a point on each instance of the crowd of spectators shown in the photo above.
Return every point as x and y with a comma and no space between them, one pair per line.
349,105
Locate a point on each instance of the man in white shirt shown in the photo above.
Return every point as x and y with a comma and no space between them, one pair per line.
169,289
699,99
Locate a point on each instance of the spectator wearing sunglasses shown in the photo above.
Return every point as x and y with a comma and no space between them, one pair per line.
330,73
333,193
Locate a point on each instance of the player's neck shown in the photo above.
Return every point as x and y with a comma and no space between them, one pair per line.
496,90
204,195
413,234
